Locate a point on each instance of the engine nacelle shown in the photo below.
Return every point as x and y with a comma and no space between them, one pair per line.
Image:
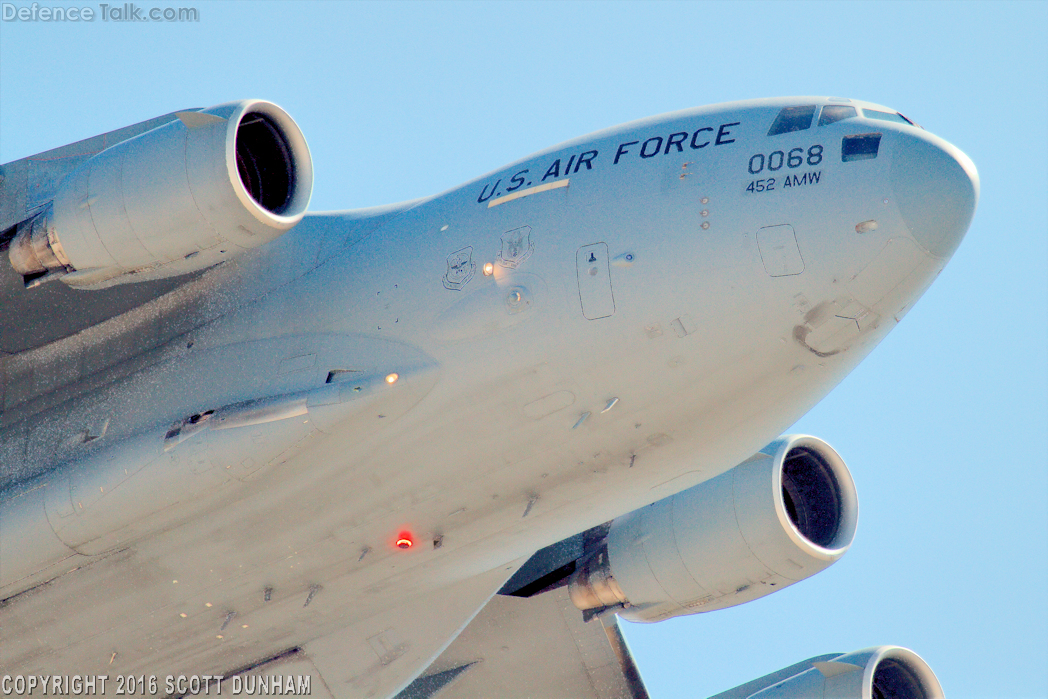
887,671
779,517
198,190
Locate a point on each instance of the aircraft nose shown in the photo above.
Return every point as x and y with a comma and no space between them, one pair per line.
936,188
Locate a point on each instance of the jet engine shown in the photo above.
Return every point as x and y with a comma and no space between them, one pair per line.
779,517
887,671
184,196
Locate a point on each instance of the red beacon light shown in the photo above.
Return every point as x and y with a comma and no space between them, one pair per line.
404,541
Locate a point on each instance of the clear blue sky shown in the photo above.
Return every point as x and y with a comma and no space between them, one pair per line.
944,426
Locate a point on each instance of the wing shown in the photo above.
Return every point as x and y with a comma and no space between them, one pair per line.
536,646
76,309
32,318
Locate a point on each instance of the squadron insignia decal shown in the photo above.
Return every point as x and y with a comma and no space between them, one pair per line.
461,268
516,247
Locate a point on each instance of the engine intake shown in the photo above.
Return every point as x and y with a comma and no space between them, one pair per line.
811,495
265,163
779,517
182,197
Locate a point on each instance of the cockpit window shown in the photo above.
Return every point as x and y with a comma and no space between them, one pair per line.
836,112
911,121
860,147
793,119
886,116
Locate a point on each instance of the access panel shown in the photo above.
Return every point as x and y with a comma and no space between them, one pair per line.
591,264
779,251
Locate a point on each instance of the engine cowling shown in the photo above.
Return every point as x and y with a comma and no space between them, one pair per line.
781,516
873,673
200,189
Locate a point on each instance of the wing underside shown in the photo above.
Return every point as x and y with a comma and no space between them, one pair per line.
537,646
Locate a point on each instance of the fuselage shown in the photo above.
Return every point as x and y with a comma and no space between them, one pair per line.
482,373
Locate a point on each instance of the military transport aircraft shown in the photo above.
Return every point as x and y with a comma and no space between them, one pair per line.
435,449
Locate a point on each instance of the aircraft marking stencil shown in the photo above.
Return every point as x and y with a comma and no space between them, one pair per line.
376,453
461,269
516,247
